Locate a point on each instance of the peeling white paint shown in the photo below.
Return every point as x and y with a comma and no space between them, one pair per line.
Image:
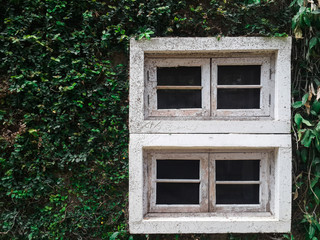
211,134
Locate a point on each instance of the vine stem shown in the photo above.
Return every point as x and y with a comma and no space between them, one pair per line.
13,222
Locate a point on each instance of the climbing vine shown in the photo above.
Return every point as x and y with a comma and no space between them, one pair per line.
64,106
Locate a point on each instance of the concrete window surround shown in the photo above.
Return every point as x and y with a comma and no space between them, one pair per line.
279,48
226,135
277,221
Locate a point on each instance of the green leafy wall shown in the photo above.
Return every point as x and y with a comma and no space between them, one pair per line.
64,107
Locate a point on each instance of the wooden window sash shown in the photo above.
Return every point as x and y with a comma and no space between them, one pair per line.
265,86
151,87
208,87
207,202
203,188
263,182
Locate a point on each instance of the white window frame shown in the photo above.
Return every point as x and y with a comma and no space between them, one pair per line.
265,186
207,194
203,194
196,132
209,87
277,217
277,49
151,87
265,86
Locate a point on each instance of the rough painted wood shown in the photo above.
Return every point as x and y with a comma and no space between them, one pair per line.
278,50
196,132
278,219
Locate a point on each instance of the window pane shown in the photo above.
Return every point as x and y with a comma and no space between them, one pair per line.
237,194
178,169
179,76
175,99
238,99
237,170
177,193
239,75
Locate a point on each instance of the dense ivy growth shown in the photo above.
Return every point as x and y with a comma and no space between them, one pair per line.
306,127
64,106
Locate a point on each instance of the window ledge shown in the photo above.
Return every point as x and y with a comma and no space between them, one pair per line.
212,216
210,224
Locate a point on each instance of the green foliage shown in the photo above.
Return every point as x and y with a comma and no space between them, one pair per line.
64,105
306,26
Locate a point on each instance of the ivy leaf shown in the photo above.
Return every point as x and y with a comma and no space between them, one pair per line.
297,104
314,182
317,195
316,161
316,106
313,113
317,143
305,98
313,41
317,225
307,138
2,113
300,2
114,236
298,120
306,122
306,20
292,3
316,12
311,232
304,155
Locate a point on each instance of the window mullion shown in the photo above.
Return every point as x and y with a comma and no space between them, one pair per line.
264,178
214,82
212,178
204,184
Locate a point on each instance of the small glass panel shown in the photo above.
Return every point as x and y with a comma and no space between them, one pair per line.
237,170
175,99
177,193
237,194
238,98
178,169
239,75
179,76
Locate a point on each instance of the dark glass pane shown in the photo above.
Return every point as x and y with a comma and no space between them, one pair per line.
237,194
177,193
239,75
238,98
237,170
179,76
178,169
175,99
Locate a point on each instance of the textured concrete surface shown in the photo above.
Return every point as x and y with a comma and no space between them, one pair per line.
278,221
278,123
193,134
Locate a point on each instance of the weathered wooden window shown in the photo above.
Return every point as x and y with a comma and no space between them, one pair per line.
235,87
208,181
210,145
240,181
241,87
178,87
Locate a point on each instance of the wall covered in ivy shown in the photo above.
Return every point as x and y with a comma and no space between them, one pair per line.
64,107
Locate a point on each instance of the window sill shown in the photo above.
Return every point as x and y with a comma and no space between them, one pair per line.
213,216
210,223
